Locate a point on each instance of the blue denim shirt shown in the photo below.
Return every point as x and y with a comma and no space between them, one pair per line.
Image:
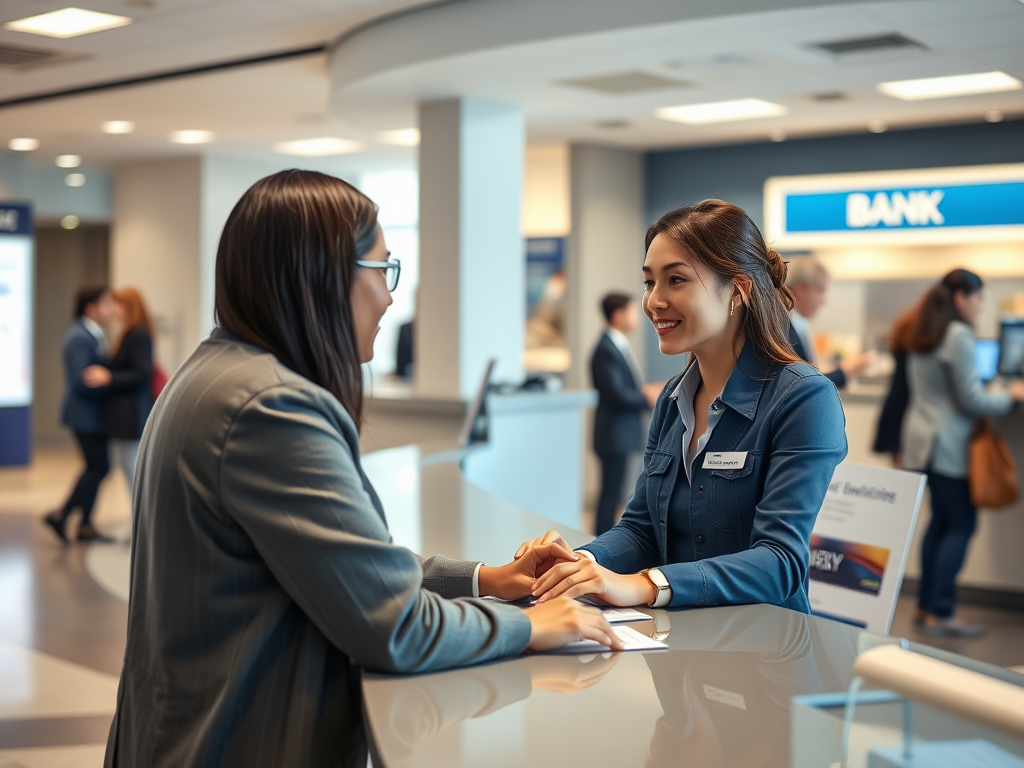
749,527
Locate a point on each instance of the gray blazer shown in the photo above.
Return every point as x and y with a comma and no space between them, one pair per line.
946,396
263,576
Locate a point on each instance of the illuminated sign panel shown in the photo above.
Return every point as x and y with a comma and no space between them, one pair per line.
15,305
975,205
940,205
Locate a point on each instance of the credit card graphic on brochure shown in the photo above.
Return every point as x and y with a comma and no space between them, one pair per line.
846,564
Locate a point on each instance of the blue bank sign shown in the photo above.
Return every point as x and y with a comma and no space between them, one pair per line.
851,205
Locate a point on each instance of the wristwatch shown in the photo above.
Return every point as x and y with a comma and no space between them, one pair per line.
657,578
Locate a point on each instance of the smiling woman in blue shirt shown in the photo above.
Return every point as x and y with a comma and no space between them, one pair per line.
742,444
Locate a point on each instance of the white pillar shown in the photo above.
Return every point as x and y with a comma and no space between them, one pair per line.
155,247
606,247
471,302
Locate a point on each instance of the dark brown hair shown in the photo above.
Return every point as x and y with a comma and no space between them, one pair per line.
86,295
937,309
613,302
722,237
285,267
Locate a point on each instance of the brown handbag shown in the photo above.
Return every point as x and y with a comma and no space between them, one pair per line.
993,472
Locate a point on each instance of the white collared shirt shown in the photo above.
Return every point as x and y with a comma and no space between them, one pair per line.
97,332
684,395
622,343
803,330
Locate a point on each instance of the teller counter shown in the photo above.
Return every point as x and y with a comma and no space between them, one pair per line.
720,695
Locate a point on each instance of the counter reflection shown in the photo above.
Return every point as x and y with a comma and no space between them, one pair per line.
723,690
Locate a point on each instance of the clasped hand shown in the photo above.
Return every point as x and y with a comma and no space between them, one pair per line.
575,576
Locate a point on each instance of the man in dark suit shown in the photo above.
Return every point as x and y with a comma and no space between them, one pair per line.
84,346
622,399
808,279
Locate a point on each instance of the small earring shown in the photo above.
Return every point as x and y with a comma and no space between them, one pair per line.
732,307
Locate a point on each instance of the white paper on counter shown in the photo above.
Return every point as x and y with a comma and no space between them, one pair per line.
634,641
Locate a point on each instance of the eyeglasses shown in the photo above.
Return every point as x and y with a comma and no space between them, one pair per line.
392,269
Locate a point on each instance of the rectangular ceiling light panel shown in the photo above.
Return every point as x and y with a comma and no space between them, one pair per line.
955,85
721,111
67,22
321,147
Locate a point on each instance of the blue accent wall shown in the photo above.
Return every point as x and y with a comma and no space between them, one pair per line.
737,173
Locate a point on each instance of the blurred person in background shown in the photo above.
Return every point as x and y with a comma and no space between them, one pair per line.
894,409
85,345
128,379
808,279
946,396
622,399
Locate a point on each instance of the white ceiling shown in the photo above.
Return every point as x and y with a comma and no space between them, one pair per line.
762,55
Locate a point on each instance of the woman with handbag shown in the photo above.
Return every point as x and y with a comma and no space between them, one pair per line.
946,397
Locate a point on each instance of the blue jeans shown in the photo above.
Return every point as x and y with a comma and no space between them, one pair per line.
945,543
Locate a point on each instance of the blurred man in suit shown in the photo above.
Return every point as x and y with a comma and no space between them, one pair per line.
622,399
808,279
85,345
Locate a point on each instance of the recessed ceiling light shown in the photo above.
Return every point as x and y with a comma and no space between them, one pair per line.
955,85
23,144
68,161
878,126
994,115
70,222
721,111
777,135
192,137
74,179
403,137
67,22
318,147
117,126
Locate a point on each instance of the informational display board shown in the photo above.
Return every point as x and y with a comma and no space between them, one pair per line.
897,207
860,544
15,305
16,252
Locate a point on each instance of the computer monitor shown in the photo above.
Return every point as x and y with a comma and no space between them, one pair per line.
986,358
474,428
1011,347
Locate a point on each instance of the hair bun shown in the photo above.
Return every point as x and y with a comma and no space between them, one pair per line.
776,268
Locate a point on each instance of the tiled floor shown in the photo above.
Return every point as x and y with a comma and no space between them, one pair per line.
62,634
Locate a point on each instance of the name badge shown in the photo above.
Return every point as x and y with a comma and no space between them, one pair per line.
726,460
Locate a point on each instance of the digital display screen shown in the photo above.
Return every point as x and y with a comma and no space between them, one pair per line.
1011,347
15,320
986,358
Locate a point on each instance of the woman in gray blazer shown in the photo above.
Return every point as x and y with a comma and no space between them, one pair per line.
946,396
263,573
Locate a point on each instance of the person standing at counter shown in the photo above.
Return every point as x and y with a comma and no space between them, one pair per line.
742,444
946,396
622,399
263,574
808,279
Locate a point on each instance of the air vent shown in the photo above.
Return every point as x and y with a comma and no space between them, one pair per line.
875,44
612,124
14,58
826,96
625,82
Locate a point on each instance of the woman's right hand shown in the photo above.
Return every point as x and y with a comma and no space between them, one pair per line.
1017,389
564,620
551,537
